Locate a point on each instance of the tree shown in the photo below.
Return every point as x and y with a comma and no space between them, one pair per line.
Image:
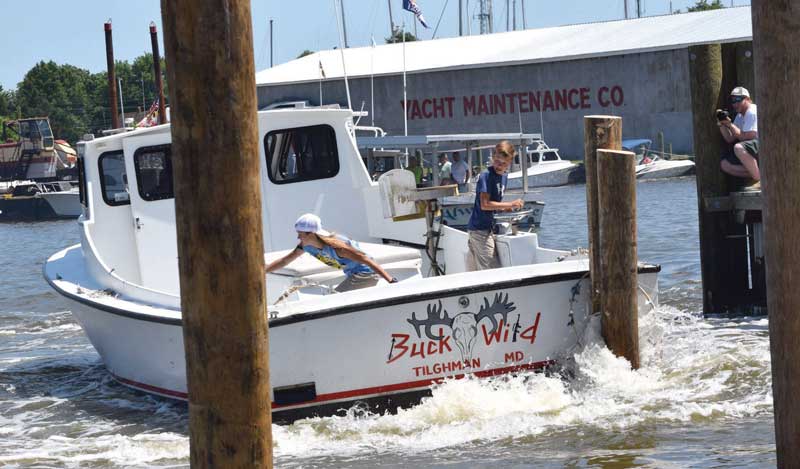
58,92
703,5
305,53
397,36
7,107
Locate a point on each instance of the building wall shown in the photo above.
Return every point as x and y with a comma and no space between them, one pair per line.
649,90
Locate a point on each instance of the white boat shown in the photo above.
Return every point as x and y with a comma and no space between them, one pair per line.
545,168
65,202
651,166
383,346
457,210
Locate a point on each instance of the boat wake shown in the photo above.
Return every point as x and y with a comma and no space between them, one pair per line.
64,409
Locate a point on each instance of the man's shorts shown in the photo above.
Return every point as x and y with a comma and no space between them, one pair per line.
751,146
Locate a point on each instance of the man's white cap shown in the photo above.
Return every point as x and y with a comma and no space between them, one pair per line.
740,91
309,223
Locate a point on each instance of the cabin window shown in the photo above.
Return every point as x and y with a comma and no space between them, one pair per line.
534,157
113,181
154,172
550,156
301,154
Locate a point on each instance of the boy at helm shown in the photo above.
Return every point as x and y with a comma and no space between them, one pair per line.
488,199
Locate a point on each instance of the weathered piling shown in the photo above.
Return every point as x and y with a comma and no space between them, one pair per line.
162,116
220,238
616,178
599,132
723,241
775,37
112,78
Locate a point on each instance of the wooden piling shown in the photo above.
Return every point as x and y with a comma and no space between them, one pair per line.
616,177
723,251
215,148
777,58
599,132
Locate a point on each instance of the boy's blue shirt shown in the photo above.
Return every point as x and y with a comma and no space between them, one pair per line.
494,184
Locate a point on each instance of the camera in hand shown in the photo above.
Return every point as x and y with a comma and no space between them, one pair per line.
722,115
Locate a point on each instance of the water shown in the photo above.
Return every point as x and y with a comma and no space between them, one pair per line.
702,397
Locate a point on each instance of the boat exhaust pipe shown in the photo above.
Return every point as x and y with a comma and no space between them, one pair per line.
112,79
162,115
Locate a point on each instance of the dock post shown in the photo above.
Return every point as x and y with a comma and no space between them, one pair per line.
112,78
599,132
616,177
723,251
775,34
220,234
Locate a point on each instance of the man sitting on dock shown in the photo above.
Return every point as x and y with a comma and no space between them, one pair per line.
488,199
741,159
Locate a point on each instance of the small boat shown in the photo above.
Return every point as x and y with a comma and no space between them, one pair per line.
381,346
650,165
35,164
545,168
64,201
456,210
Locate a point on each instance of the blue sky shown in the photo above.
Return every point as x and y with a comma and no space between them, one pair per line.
72,32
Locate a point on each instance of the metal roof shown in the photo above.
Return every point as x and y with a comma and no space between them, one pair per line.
560,43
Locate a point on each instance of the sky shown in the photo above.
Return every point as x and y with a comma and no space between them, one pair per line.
72,32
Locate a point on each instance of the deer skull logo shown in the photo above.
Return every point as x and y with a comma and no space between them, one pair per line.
463,326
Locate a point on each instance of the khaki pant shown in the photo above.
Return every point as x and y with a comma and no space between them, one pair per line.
482,254
356,281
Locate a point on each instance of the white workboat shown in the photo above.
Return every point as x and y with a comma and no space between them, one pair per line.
651,166
383,346
545,168
65,202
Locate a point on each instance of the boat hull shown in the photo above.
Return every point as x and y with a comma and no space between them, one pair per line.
662,169
65,204
382,352
560,177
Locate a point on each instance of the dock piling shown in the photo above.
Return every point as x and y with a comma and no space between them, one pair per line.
600,132
723,240
215,152
775,35
616,178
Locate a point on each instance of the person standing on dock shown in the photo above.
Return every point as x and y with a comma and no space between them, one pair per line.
741,158
336,251
460,172
489,199
445,176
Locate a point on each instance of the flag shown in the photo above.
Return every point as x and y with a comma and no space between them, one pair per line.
321,70
411,5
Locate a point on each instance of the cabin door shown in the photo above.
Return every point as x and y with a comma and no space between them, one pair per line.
148,161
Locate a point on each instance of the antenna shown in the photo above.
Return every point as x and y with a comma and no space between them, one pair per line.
341,49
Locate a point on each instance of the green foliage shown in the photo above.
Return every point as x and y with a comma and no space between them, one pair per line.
703,5
397,36
75,100
7,106
305,53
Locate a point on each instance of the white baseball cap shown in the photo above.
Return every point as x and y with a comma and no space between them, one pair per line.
740,91
309,223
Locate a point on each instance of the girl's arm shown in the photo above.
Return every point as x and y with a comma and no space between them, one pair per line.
348,252
285,260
